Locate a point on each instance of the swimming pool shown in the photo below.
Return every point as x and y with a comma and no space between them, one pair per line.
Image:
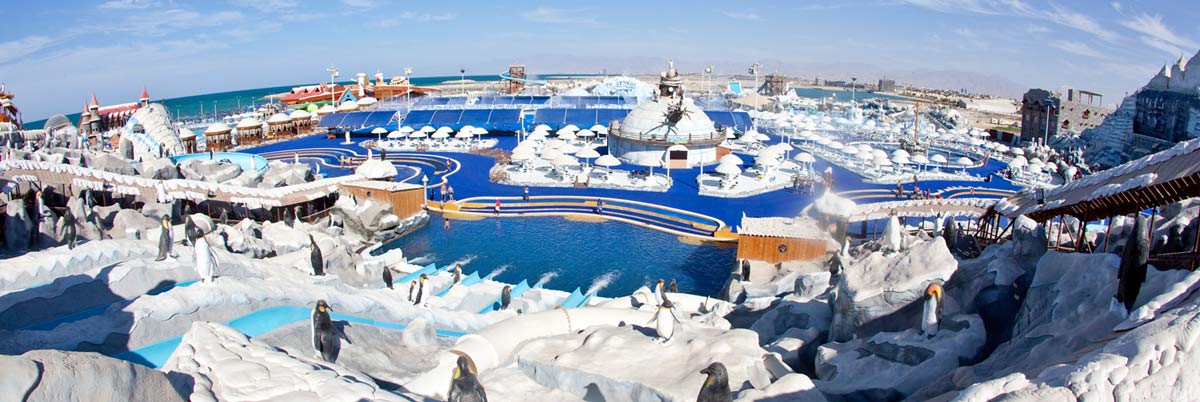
579,253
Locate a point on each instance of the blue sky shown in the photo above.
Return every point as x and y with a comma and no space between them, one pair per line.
55,54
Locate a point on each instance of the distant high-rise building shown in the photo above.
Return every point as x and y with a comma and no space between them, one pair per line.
887,85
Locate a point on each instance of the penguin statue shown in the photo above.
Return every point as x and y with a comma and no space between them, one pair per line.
457,274
420,290
164,239
288,219
323,335
315,258
70,234
297,214
464,386
225,217
206,259
938,223
505,297
665,321
716,385
188,228
659,297
745,270
387,278
412,286
673,287
931,315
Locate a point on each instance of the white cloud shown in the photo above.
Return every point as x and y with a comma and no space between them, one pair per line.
409,16
547,15
125,4
1078,48
361,3
1018,8
15,49
268,5
162,22
1157,35
744,16
1117,6
1130,71
1036,29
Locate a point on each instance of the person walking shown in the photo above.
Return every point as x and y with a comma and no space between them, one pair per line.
526,197
496,209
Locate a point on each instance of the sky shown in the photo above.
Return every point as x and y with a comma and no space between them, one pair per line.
55,54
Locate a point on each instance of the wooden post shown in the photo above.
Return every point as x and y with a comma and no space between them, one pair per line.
1195,247
1108,234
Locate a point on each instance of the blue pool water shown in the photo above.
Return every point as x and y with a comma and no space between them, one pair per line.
579,252
842,95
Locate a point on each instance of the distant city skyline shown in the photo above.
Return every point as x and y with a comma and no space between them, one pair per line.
54,56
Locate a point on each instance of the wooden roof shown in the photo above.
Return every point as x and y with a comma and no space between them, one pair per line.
1154,180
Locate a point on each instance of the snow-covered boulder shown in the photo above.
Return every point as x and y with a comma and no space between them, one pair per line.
130,219
1154,362
793,387
1068,309
627,364
52,375
109,163
222,364
419,335
209,170
284,239
891,365
157,210
281,174
878,284
375,169
158,168
793,312
364,218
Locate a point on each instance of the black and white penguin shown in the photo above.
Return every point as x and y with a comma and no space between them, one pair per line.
464,386
206,259
931,314
673,287
420,289
665,320
225,217
164,239
1132,271
457,274
412,287
745,270
323,332
315,258
387,278
297,214
505,297
70,234
716,385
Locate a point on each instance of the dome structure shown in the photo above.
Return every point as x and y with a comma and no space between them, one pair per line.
669,127
217,128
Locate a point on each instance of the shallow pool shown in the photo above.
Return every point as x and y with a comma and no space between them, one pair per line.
579,253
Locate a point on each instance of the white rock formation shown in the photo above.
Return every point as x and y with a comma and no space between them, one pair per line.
877,284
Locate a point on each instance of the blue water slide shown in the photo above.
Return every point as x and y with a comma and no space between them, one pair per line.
516,291
471,279
254,324
575,299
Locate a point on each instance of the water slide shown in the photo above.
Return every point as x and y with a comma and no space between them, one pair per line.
504,76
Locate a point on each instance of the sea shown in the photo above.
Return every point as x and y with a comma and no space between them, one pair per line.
200,105
843,95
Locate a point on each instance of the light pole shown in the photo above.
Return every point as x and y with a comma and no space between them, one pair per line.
333,73
425,191
708,76
1046,136
462,80
754,70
